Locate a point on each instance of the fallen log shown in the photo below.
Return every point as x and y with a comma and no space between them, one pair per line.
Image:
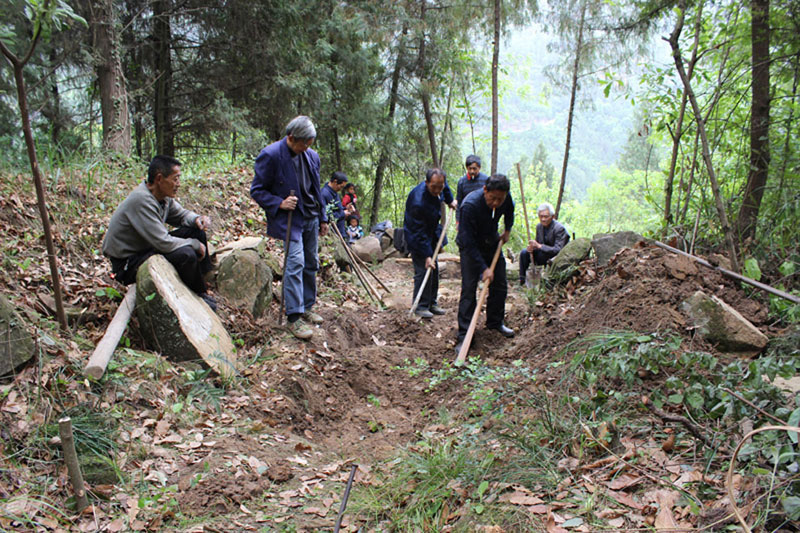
98,362
731,274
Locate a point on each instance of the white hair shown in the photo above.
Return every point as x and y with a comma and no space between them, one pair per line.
546,207
302,128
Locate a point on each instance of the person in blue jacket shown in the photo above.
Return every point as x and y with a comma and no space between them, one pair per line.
287,179
330,196
473,180
477,241
422,230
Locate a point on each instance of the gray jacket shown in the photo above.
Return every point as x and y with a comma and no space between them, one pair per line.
138,225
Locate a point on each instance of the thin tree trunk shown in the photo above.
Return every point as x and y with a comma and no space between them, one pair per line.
676,138
383,161
162,111
701,126
495,66
22,99
693,167
759,122
789,122
446,116
55,107
336,148
471,122
573,94
424,91
113,91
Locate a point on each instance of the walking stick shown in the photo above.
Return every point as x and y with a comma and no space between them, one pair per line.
522,197
462,355
285,257
366,267
429,269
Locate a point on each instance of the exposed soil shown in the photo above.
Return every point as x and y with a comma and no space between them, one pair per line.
306,410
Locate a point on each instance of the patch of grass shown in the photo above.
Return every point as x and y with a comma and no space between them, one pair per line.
424,485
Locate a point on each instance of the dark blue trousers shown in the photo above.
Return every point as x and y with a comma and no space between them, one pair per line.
430,293
539,258
496,302
189,267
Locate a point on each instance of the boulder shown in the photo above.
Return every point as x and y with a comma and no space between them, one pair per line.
722,325
259,245
606,245
340,256
572,254
176,322
387,240
16,343
368,249
245,280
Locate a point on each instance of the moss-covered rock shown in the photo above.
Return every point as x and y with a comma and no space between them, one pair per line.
176,322
606,245
245,280
16,343
722,325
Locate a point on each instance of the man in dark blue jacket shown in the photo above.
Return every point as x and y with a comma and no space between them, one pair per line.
477,242
287,179
422,231
473,180
330,196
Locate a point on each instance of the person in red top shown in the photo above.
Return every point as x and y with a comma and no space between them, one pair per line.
349,197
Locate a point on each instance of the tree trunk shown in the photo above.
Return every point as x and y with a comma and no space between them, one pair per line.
22,99
383,161
113,90
471,122
162,112
573,94
495,66
701,126
759,122
336,148
446,116
424,91
676,137
55,107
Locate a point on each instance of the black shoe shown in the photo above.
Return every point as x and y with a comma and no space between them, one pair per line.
459,344
504,330
212,303
436,310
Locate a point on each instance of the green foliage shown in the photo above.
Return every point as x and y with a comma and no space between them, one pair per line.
425,481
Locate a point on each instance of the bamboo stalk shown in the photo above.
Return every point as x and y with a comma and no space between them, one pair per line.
73,466
371,292
730,274
462,354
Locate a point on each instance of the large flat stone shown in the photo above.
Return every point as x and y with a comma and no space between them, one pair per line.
606,245
245,281
722,325
176,322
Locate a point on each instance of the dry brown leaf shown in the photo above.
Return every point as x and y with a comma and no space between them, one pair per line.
552,527
623,482
520,498
626,499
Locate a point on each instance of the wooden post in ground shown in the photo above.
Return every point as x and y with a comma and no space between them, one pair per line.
73,466
98,362
524,209
462,354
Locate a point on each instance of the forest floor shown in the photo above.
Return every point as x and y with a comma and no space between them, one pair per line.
548,431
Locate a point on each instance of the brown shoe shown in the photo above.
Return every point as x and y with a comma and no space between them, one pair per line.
301,330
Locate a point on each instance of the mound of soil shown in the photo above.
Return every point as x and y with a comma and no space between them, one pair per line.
640,290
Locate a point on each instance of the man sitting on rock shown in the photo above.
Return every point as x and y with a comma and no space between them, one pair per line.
551,237
137,231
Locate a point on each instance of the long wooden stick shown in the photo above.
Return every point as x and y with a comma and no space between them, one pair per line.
73,466
733,275
104,350
433,260
371,291
524,208
375,276
462,355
